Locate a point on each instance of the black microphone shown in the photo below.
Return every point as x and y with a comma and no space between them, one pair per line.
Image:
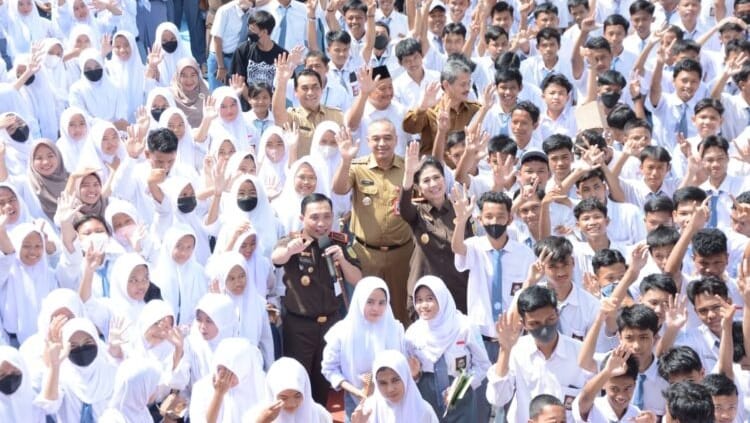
324,242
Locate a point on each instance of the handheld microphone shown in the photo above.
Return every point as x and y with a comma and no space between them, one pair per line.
324,242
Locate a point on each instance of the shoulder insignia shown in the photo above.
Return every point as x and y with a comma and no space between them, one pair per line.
339,237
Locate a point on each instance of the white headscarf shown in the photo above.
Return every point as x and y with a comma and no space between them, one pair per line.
432,337
411,408
287,205
168,65
117,206
21,30
97,97
262,216
18,406
245,135
182,285
151,97
37,95
153,312
24,215
93,154
186,147
135,382
72,66
287,373
272,174
251,306
121,270
219,135
328,165
16,153
172,188
72,150
27,287
128,75
258,266
220,309
362,340
93,383
244,360
57,75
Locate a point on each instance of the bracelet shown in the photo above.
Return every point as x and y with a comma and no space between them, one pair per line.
638,97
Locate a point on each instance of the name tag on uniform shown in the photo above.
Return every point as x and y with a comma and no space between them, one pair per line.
367,182
568,402
515,287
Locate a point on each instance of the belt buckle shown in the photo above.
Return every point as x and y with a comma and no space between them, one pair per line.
322,319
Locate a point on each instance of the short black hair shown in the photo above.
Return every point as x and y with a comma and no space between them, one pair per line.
556,142
688,65
507,60
611,77
501,7
455,28
588,205
557,79
314,198
738,341
529,108
660,281
546,7
619,116
534,298
536,406
605,258
743,198
598,43
574,3
685,45
307,72
642,6
455,138
548,34
494,32
638,123
356,5
662,236
255,88
89,217
679,361
495,197
338,36
590,137
689,402
637,316
686,194
709,285
655,152
407,47
508,75
719,385
162,140
709,103
658,203
709,242
616,20
591,174
263,20
317,54
716,141
502,144
560,248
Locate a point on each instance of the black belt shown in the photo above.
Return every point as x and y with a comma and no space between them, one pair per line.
488,339
320,319
379,247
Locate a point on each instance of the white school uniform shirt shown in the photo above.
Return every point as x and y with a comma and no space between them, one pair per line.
577,312
395,113
531,374
387,59
227,26
736,115
624,63
625,223
667,114
496,121
516,260
565,124
296,24
333,95
638,193
583,253
602,412
534,71
408,92
703,342
731,185
398,24
702,26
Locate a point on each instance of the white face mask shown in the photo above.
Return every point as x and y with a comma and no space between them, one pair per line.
327,151
97,240
52,60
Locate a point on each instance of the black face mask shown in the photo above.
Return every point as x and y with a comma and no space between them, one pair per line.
84,355
156,112
252,37
94,74
609,100
745,18
381,42
30,80
495,230
169,46
247,204
10,383
21,134
186,204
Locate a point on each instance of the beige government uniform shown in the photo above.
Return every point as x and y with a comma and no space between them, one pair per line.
382,239
308,120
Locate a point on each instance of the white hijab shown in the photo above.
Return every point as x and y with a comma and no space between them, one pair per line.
328,163
57,75
362,340
172,188
288,373
262,216
93,383
128,75
182,285
220,309
244,360
37,95
93,154
121,270
21,30
18,406
168,65
250,306
97,97
117,206
27,287
153,312
24,214
432,337
258,266
151,97
288,204
186,147
17,153
73,68
272,174
219,135
135,382
245,136
72,150
412,408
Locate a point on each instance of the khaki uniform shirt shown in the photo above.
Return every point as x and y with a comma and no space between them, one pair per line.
308,120
425,122
375,194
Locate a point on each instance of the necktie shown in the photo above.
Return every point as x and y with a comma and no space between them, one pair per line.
529,242
638,397
615,61
102,272
497,285
747,111
643,44
713,218
282,27
504,119
682,125
343,80
442,382
87,414
386,21
439,43
260,125
243,28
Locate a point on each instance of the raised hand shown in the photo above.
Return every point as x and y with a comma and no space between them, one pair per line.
222,381
734,66
347,146
617,363
291,133
67,208
701,215
296,56
444,118
135,143
209,108
508,331
106,47
271,413
536,271
298,245
639,256
591,285
430,96
55,349
219,177
462,204
360,415
411,160
284,69
155,56
503,171
366,82
414,366
727,313
743,153
117,331
635,84
676,314
312,7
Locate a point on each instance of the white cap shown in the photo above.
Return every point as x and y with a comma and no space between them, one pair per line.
437,3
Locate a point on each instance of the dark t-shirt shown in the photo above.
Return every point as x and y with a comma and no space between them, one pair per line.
255,64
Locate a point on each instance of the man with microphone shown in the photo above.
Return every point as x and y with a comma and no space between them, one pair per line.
316,263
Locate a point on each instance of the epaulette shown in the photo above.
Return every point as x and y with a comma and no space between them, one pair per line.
339,237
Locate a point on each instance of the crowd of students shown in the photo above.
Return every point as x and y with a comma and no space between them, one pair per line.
485,210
